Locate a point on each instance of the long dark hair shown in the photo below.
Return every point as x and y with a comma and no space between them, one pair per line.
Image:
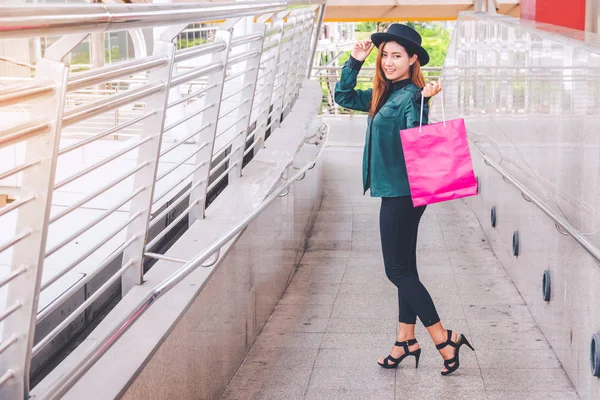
382,86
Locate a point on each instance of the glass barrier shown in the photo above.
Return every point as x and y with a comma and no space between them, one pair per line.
530,95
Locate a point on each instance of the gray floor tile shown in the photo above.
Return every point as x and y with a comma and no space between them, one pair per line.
440,286
258,382
333,216
349,379
431,244
479,269
349,394
289,340
384,289
432,258
332,264
374,253
356,341
362,325
438,394
333,226
286,358
462,381
347,358
329,244
516,312
263,392
537,395
471,257
308,298
361,245
319,275
371,237
433,270
318,235
367,261
301,311
526,380
384,307
365,226
320,256
500,335
289,325
299,287
365,299
518,359
487,290
358,274
449,308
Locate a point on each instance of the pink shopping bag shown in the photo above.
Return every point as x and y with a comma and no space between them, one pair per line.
438,161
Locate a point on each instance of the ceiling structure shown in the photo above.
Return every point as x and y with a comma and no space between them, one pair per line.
408,10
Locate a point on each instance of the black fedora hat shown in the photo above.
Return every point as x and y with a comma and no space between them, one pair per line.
405,36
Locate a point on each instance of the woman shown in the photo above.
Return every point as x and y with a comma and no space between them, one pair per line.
394,104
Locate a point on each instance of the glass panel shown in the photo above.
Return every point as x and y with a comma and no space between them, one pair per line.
530,95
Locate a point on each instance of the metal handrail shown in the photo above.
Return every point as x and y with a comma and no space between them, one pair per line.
198,51
69,378
19,93
54,20
118,70
532,198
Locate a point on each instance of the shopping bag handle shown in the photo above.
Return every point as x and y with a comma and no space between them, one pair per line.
423,106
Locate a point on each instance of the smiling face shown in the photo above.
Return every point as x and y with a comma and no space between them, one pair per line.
395,62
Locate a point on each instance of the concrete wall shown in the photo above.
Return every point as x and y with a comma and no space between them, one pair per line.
572,315
207,345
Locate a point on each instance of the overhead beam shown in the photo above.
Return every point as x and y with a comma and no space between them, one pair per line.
338,11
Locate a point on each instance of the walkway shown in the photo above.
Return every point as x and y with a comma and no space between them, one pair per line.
338,315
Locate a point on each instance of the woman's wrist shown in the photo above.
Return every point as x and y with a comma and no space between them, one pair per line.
354,64
417,97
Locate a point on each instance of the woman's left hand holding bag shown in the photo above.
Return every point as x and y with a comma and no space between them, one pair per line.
432,88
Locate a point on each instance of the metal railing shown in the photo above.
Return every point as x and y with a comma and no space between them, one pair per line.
188,122
103,344
563,226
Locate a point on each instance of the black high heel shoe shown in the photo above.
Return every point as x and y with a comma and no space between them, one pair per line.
397,361
453,363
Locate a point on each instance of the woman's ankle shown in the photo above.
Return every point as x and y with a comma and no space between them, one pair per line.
405,337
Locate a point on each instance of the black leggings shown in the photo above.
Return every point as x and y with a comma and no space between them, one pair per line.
399,225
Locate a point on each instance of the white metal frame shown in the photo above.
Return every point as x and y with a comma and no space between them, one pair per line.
266,63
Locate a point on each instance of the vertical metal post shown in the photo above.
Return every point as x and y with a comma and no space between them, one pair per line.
96,41
268,86
30,252
146,177
206,138
280,72
487,6
305,35
299,49
288,58
315,41
293,63
283,65
247,96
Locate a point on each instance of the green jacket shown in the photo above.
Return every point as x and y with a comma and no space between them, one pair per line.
384,169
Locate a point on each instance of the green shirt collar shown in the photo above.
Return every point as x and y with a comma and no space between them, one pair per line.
400,84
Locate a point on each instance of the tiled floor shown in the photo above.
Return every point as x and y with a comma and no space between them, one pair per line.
339,314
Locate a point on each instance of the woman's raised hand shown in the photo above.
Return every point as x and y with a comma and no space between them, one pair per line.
432,88
362,49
